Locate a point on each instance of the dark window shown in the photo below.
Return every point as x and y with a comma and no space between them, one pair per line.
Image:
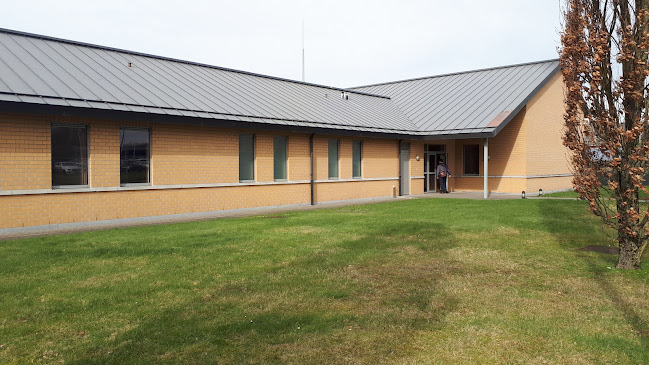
246,157
69,155
435,147
333,158
471,159
134,156
279,157
357,158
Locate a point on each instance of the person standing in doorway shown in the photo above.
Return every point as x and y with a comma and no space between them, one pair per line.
442,174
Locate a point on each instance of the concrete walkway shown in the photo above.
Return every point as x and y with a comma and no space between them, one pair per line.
54,229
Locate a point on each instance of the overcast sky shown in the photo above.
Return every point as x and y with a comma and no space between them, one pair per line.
347,43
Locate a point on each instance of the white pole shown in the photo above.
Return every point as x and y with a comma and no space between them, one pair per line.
486,168
303,51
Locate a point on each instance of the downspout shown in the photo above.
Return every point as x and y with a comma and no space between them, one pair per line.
486,168
312,180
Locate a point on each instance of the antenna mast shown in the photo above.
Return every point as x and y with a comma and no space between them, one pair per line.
303,51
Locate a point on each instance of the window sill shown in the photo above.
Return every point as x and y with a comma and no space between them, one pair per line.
68,187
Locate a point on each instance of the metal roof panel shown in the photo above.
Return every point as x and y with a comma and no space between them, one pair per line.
466,101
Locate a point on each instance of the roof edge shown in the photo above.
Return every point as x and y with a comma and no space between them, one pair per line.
196,111
520,106
91,45
454,73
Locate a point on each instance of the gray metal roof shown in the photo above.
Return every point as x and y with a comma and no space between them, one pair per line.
472,103
44,70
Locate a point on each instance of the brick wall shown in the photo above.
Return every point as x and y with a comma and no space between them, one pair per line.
25,153
530,145
179,155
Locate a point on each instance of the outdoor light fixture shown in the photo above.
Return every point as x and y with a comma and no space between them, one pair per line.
540,192
523,197
417,157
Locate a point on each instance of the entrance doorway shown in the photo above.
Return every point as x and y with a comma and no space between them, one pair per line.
432,154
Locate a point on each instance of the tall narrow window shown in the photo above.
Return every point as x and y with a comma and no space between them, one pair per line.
357,157
69,155
246,157
134,156
333,158
279,157
471,159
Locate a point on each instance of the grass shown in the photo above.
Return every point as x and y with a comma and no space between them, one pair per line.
563,194
417,281
604,192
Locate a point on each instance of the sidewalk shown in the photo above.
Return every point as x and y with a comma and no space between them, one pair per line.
55,229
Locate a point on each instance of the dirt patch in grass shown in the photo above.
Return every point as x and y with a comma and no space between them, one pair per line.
601,249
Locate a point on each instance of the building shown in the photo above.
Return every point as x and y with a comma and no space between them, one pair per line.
90,133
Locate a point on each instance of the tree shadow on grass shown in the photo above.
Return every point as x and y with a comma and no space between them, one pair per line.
574,233
363,301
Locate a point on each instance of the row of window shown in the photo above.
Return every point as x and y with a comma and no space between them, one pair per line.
70,156
280,157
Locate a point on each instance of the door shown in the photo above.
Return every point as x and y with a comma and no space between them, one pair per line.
404,168
430,165
431,160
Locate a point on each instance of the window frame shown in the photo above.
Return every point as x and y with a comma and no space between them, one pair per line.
464,159
148,156
360,159
253,140
329,150
275,139
70,125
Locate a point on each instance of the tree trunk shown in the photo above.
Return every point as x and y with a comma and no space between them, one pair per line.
629,257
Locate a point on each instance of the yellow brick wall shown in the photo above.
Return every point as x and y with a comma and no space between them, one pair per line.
104,154
179,155
325,192
299,157
195,155
380,158
530,145
24,165
33,210
416,167
507,150
545,151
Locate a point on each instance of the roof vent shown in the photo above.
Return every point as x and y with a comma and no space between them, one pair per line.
344,95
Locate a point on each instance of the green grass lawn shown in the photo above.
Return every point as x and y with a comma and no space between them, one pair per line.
573,194
416,281
563,194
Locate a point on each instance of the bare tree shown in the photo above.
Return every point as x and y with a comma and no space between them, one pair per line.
604,49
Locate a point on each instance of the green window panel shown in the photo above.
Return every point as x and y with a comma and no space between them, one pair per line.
280,156
357,158
333,158
246,157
